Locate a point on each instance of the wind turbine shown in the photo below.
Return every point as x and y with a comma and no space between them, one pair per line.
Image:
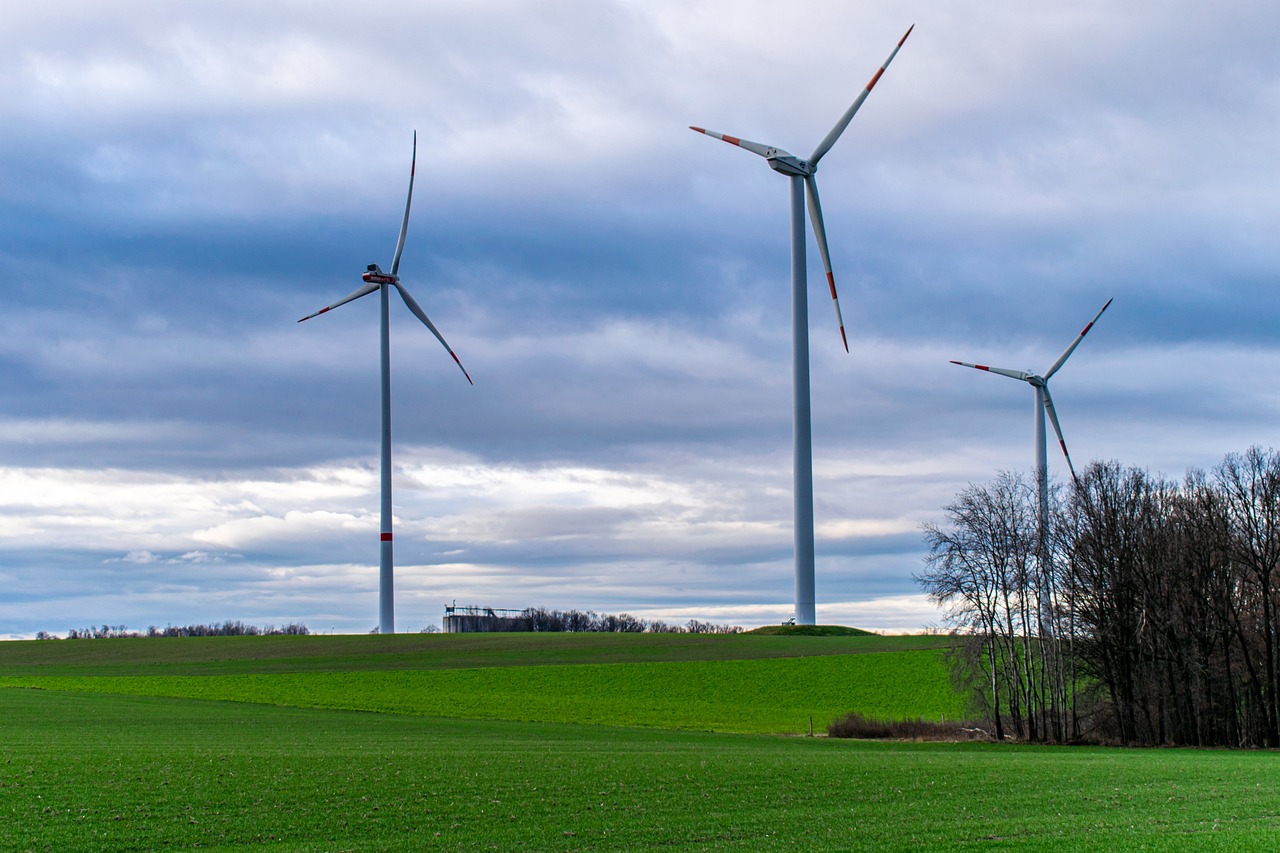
376,279
1043,405
803,183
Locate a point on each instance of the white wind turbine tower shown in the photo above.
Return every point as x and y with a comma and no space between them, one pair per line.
376,279
1043,404
801,174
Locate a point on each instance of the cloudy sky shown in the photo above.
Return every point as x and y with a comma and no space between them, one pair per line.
183,181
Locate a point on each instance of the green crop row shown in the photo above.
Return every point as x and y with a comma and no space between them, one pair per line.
322,653
116,773
762,695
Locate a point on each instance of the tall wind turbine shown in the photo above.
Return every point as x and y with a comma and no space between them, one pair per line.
1043,404
801,174
376,279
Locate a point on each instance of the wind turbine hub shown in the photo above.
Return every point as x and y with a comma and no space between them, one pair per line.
1036,380
791,165
375,275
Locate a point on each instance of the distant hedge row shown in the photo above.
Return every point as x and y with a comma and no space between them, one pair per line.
541,619
226,629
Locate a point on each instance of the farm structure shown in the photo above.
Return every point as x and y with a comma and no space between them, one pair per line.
467,620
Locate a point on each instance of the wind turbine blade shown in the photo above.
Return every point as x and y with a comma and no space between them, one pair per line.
422,315
753,147
364,290
820,232
1053,419
1012,374
1062,359
825,145
404,223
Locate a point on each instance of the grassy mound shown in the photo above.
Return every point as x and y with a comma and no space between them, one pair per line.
372,652
766,695
810,631
729,683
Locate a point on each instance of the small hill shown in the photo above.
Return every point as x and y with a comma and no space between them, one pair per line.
725,682
364,652
810,631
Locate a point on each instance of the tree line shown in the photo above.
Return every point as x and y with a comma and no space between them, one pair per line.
530,619
541,619
1153,618
226,629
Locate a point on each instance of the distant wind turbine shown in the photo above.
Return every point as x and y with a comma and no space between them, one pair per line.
1043,404
376,279
801,173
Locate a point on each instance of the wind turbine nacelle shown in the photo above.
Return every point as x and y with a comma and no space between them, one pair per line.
789,164
375,275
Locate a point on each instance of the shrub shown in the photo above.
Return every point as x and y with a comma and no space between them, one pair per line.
855,725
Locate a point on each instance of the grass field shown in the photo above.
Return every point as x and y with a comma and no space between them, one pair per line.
736,683
89,771
115,773
361,652
780,695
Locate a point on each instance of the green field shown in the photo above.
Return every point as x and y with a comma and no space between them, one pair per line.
318,653
732,683
762,696
86,766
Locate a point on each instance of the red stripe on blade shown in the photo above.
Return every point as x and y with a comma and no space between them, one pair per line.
874,79
459,363
831,283
732,140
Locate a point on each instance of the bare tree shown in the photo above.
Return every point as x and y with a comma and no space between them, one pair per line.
1161,596
983,567
1250,486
